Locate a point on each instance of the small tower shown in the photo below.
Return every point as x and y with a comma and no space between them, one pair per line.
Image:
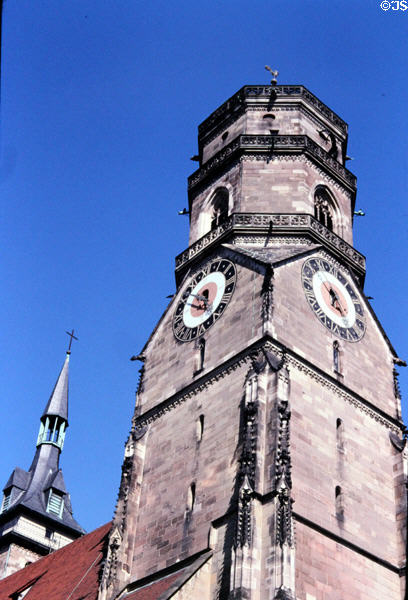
36,513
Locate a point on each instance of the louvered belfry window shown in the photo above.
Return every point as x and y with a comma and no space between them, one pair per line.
55,503
6,501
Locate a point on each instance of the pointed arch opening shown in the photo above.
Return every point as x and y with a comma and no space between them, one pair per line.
339,503
200,428
325,210
191,497
336,357
340,435
219,208
215,211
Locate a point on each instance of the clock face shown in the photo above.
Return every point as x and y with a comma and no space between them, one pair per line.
204,299
333,299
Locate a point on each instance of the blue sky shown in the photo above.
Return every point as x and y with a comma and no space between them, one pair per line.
100,106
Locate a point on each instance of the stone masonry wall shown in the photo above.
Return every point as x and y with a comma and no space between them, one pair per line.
326,570
280,184
14,558
168,527
366,365
357,457
170,364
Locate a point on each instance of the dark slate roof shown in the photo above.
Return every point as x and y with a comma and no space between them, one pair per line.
72,572
19,479
57,482
58,402
43,474
273,254
36,500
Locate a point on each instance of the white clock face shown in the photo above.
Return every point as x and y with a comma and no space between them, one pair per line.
204,299
333,299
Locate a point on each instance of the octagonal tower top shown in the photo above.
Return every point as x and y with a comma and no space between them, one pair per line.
276,154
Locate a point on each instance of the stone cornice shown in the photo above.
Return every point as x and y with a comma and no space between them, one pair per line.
289,224
195,387
266,146
266,93
342,391
292,360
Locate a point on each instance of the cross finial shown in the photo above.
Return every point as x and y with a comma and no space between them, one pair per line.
274,74
72,336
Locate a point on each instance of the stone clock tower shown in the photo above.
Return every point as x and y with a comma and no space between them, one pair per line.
265,459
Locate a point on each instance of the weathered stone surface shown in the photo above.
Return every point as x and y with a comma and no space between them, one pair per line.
272,455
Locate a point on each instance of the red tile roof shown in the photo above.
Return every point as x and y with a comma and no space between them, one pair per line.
71,572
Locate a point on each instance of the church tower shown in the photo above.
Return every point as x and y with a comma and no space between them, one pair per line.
266,455
36,513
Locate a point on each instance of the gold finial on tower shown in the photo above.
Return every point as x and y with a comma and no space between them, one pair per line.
274,74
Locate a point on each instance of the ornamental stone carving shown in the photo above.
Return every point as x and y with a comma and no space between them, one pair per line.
253,223
267,145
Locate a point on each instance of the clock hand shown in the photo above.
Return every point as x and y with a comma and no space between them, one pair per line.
333,296
202,299
335,299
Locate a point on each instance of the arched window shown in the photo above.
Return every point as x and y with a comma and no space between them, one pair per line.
191,497
323,207
336,357
200,428
339,503
219,208
215,210
340,435
200,350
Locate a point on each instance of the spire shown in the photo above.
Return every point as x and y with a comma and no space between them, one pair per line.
57,405
40,494
54,419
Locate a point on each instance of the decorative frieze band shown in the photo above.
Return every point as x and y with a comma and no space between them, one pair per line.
231,365
193,389
253,240
238,222
267,145
224,124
